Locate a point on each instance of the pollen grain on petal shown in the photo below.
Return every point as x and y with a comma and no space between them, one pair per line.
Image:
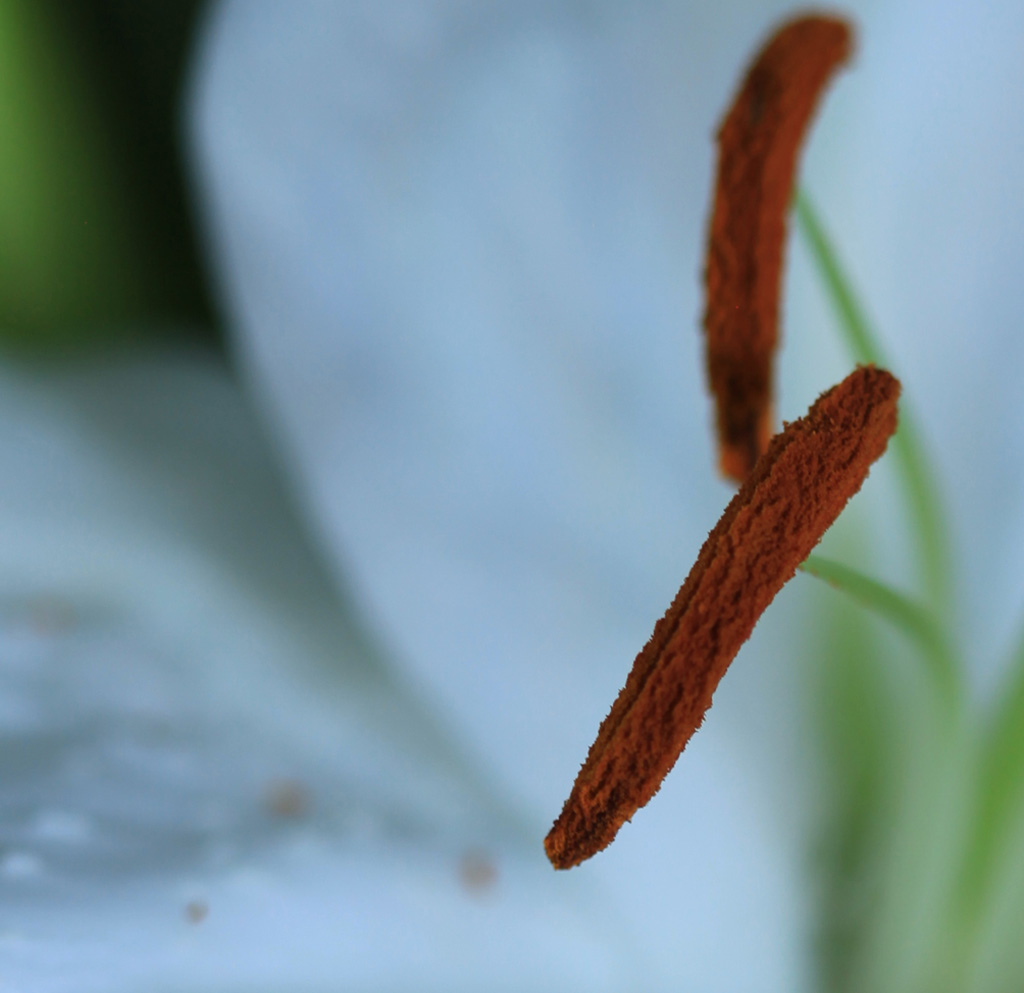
758,144
797,489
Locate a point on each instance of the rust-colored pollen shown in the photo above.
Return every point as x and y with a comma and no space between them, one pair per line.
758,143
797,489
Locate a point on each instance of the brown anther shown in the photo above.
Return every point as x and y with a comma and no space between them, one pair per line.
758,143
797,489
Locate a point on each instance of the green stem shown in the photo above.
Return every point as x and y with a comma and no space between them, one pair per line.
916,473
911,618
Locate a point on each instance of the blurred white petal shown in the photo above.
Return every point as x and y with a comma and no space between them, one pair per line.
466,320
207,781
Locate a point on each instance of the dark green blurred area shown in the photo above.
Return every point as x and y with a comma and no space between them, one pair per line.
97,239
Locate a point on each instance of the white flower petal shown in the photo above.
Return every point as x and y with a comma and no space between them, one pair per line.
206,779
517,482
465,317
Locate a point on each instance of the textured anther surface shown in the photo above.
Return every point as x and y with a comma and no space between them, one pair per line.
797,489
758,144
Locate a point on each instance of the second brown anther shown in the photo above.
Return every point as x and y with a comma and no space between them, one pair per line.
758,143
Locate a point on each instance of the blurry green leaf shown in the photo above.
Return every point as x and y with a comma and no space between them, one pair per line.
909,863
924,514
855,719
993,932
892,740
994,853
908,943
1001,770
67,258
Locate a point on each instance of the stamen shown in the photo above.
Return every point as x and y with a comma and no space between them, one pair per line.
797,489
758,143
